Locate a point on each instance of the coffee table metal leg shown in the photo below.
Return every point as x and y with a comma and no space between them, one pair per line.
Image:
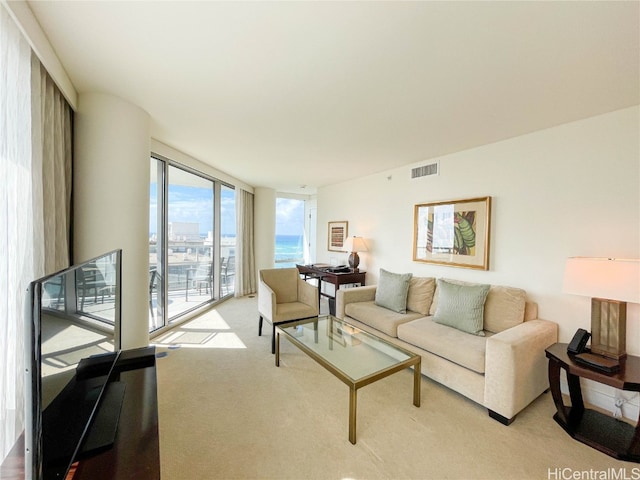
416,384
353,400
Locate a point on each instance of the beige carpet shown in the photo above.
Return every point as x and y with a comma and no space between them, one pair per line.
226,412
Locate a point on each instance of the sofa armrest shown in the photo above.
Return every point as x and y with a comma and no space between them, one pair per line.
516,366
308,294
345,296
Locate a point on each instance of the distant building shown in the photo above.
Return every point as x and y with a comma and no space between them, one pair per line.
184,232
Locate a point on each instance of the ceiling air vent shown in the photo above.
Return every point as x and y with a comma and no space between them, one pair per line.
425,171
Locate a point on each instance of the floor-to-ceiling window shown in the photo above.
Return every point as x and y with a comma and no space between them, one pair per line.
290,232
191,241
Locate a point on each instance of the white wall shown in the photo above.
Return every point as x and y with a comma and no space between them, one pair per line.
264,224
111,199
571,190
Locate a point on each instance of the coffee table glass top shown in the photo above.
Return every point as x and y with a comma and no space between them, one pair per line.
353,352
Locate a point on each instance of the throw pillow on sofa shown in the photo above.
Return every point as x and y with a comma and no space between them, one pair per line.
504,308
461,306
392,290
420,296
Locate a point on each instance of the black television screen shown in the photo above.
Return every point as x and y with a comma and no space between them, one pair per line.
73,341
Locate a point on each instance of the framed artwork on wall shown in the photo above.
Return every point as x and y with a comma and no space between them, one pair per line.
454,233
338,232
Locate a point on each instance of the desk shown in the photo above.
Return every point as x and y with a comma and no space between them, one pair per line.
603,432
335,279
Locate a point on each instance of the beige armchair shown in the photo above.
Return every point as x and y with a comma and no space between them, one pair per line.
283,296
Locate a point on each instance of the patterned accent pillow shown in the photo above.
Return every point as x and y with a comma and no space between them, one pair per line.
461,306
392,290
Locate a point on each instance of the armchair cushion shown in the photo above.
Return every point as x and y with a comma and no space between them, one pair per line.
283,282
284,296
293,311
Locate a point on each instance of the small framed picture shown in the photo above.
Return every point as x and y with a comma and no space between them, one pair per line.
338,232
454,233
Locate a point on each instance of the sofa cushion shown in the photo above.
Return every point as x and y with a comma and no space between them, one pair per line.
420,295
446,342
379,318
461,306
504,308
392,290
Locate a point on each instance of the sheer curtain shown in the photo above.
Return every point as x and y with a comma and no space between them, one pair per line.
17,233
245,260
35,204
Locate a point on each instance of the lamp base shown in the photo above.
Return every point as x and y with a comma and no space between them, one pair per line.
354,260
609,328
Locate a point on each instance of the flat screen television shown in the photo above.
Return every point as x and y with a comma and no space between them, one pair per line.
73,343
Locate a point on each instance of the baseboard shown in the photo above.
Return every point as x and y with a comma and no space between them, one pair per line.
604,397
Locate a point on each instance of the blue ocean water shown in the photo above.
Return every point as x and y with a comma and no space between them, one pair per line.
289,250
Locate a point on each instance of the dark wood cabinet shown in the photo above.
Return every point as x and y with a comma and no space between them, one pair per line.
603,432
136,451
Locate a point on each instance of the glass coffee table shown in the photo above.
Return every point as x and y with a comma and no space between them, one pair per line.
354,356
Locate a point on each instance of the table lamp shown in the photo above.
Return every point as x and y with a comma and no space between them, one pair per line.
611,283
354,245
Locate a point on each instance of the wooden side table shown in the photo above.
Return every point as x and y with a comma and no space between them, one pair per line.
609,435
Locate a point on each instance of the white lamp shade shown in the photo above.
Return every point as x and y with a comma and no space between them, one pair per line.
355,244
605,278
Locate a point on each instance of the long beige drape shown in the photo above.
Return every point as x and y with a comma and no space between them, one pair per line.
245,259
52,150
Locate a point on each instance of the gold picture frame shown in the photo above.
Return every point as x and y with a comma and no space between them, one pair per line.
338,232
453,233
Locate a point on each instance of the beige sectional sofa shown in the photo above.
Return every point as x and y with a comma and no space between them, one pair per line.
501,365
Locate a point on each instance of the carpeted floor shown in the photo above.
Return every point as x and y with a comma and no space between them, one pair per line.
226,412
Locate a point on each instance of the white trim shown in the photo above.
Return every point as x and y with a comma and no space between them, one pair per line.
33,33
169,152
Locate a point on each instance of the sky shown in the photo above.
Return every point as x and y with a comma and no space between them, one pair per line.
194,204
289,216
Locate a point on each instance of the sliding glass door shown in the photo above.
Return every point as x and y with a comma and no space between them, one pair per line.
190,262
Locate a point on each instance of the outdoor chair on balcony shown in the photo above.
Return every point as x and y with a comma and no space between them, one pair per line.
227,271
91,282
154,281
283,297
203,277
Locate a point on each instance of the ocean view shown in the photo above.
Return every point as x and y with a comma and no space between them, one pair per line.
289,250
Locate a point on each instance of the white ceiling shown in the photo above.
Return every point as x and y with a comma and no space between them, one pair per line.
284,94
